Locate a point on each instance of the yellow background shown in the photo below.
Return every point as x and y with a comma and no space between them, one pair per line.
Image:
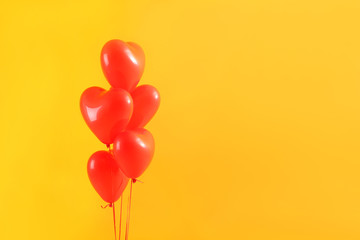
257,135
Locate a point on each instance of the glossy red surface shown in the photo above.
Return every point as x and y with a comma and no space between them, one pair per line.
106,113
122,63
146,100
133,151
106,177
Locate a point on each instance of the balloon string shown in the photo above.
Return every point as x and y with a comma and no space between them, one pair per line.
120,215
114,220
128,216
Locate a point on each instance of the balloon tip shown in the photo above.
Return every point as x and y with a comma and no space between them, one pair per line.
107,205
134,180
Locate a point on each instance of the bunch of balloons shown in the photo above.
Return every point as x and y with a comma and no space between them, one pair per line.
117,118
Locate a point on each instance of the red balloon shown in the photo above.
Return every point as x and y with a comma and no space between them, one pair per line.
133,151
122,63
106,113
106,176
146,102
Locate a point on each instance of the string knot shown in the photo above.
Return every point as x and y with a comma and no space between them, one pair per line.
107,205
134,180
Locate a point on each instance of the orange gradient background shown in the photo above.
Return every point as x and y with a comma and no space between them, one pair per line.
257,135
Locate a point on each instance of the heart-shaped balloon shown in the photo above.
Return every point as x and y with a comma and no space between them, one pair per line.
133,151
106,176
146,102
106,113
122,63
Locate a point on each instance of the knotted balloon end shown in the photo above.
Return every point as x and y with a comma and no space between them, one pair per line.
134,180
107,205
